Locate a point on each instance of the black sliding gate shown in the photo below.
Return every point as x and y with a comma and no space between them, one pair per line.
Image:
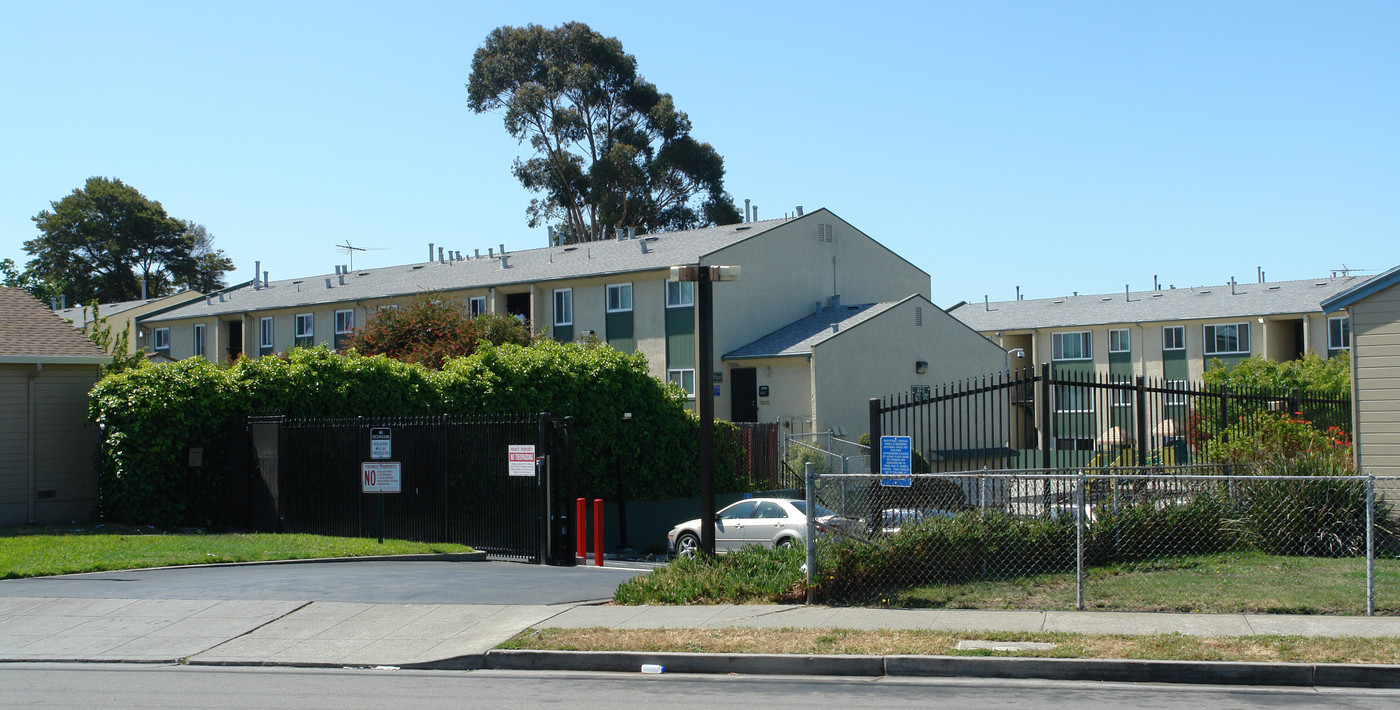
457,481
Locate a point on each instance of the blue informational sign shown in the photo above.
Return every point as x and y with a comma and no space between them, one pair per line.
896,461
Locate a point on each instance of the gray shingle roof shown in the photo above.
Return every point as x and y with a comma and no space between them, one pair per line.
1247,299
799,337
31,332
1366,288
78,314
528,266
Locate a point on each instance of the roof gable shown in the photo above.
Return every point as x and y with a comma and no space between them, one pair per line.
1369,287
30,332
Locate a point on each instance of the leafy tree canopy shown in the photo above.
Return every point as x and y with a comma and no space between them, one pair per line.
611,150
1311,374
432,330
44,290
100,241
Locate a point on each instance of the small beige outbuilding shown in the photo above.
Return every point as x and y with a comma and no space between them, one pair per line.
47,369
1373,310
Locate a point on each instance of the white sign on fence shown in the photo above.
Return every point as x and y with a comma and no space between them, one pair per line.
380,477
522,459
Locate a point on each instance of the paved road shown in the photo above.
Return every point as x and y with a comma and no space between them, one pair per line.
375,582
182,687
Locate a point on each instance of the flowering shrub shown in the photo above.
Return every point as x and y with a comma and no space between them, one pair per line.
1268,436
430,331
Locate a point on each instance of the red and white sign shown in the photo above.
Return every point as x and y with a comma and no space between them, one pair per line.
380,477
522,459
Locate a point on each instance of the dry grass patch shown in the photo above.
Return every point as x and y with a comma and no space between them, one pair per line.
885,642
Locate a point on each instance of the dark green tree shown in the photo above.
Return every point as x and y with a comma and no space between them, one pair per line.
42,289
102,240
610,149
208,266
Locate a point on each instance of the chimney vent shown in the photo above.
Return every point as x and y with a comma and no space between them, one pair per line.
645,249
503,248
430,251
257,269
631,232
478,253
490,253
505,262
799,210
328,282
836,301
835,327
264,279
441,260
747,211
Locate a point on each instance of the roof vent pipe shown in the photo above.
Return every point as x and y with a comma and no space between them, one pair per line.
799,210
836,301
1018,293
264,279
430,251
143,289
490,253
257,269
441,260
1260,269
631,232
478,253
328,282
818,309
747,211
1156,285
1127,295
1232,287
645,249
62,302
221,298
755,213
503,248
342,278
459,256
835,327
505,262
619,233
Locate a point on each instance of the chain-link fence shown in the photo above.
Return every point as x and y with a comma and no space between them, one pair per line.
1184,538
827,453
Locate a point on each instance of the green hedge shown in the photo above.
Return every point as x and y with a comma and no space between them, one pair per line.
150,417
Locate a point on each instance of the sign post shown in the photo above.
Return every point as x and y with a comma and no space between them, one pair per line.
896,461
381,477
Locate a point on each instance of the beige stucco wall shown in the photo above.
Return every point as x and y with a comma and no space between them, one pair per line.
876,358
64,443
789,384
1375,332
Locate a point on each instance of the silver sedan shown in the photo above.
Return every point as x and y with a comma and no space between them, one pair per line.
768,522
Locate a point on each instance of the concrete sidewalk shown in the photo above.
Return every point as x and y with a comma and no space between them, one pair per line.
245,632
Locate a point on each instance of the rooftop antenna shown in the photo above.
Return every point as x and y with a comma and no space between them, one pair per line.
349,249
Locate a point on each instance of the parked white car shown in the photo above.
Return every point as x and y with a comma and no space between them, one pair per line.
769,522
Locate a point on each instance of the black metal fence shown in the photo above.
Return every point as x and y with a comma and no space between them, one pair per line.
1066,420
457,483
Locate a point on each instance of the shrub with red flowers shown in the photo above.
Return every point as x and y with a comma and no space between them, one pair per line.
431,330
1263,436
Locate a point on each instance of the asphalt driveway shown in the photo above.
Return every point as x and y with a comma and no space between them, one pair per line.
374,582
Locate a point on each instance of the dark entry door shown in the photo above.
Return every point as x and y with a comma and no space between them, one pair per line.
744,401
235,338
518,305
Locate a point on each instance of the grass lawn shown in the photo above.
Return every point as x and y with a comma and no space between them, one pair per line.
42,550
1176,647
1218,583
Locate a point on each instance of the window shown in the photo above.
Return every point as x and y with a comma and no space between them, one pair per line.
684,378
265,330
1174,337
1339,333
162,338
478,305
1073,444
1070,346
1118,341
1232,339
1177,396
680,294
306,325
619,298
344,322
1073,398
1120,397
199,340
564,306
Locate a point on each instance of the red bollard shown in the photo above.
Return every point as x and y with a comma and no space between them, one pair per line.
581,526
597,532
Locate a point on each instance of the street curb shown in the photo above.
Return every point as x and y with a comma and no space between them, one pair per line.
1332,675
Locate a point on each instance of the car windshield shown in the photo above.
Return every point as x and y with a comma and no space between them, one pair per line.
822,511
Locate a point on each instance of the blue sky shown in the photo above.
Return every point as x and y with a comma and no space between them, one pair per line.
1059,147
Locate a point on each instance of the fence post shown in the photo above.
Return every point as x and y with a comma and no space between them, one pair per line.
1293,398
1079,513
875,432
1141,396
1045,394
1370,543
811,484
1224,412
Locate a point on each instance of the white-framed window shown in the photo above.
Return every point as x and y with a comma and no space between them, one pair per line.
1120,397
619,298
564,306
1339,333
1177,396
1118,341
680,294
199,330
1073,398
684,378
306,325
265,332
478,305
1227,339
344,322
162,339
1174,337
1071,346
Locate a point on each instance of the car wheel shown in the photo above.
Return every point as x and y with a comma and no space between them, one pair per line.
784,543
687,545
